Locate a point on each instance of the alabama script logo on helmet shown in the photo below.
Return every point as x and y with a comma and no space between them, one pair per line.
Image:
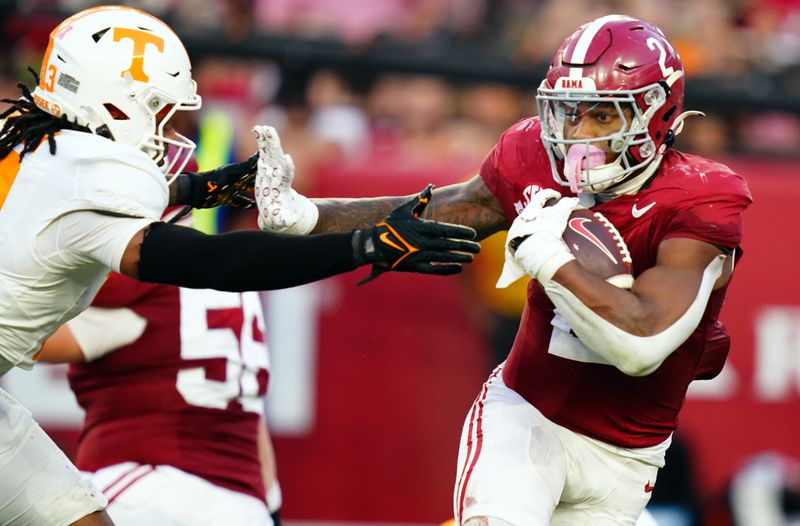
123,74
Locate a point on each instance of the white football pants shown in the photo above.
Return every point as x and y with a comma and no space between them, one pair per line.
516,465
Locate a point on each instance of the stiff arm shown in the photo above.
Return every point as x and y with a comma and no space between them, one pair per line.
282,209
469,203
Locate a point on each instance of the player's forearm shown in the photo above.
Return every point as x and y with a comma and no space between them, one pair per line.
469,203
620,307
173,194
636,354
633,355
659,296
61,347
343,215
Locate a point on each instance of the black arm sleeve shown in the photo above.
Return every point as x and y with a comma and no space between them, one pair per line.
181,190
240,261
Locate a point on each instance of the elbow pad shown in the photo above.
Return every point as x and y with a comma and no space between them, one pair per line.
631,354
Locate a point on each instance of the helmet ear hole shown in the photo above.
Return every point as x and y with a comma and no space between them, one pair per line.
116,113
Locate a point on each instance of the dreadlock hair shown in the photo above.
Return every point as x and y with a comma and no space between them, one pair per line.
26,123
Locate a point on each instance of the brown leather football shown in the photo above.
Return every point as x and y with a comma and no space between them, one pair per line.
598,247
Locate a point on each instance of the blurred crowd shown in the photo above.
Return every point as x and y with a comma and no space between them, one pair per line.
334,116
714,36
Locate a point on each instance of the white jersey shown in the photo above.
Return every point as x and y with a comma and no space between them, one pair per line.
55,249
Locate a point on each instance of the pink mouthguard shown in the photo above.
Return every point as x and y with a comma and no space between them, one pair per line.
579,158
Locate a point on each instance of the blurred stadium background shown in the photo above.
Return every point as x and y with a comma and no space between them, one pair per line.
370,385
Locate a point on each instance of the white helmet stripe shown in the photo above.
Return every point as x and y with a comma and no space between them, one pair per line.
585,40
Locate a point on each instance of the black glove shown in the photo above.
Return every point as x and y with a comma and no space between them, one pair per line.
404,242
225,185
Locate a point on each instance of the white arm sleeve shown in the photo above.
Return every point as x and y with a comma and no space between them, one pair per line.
633,355
100,331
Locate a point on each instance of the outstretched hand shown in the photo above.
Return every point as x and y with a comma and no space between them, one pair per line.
405,243
280,207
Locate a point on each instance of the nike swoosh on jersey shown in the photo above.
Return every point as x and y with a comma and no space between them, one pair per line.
639,212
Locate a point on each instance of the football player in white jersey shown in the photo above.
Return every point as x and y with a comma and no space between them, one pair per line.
149,362
89,201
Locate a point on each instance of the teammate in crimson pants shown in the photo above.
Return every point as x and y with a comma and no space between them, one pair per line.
572,428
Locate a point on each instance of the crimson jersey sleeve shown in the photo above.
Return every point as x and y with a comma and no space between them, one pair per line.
492,170
714,216
517,165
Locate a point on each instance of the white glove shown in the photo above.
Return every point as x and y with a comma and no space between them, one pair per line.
280,208
537,232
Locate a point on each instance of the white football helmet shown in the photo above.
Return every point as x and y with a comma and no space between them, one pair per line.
123,74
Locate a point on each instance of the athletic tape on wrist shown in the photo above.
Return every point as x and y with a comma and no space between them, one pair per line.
307,217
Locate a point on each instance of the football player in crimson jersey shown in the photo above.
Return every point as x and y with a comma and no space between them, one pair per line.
84,165
572,428
172,381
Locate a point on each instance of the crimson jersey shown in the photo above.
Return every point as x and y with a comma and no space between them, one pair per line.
187,393
691,197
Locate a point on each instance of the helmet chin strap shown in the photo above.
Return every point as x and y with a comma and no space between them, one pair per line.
632,185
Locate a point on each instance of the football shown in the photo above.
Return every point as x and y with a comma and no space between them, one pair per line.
598,247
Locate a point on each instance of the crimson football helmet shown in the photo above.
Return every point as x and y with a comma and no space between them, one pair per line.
629,64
